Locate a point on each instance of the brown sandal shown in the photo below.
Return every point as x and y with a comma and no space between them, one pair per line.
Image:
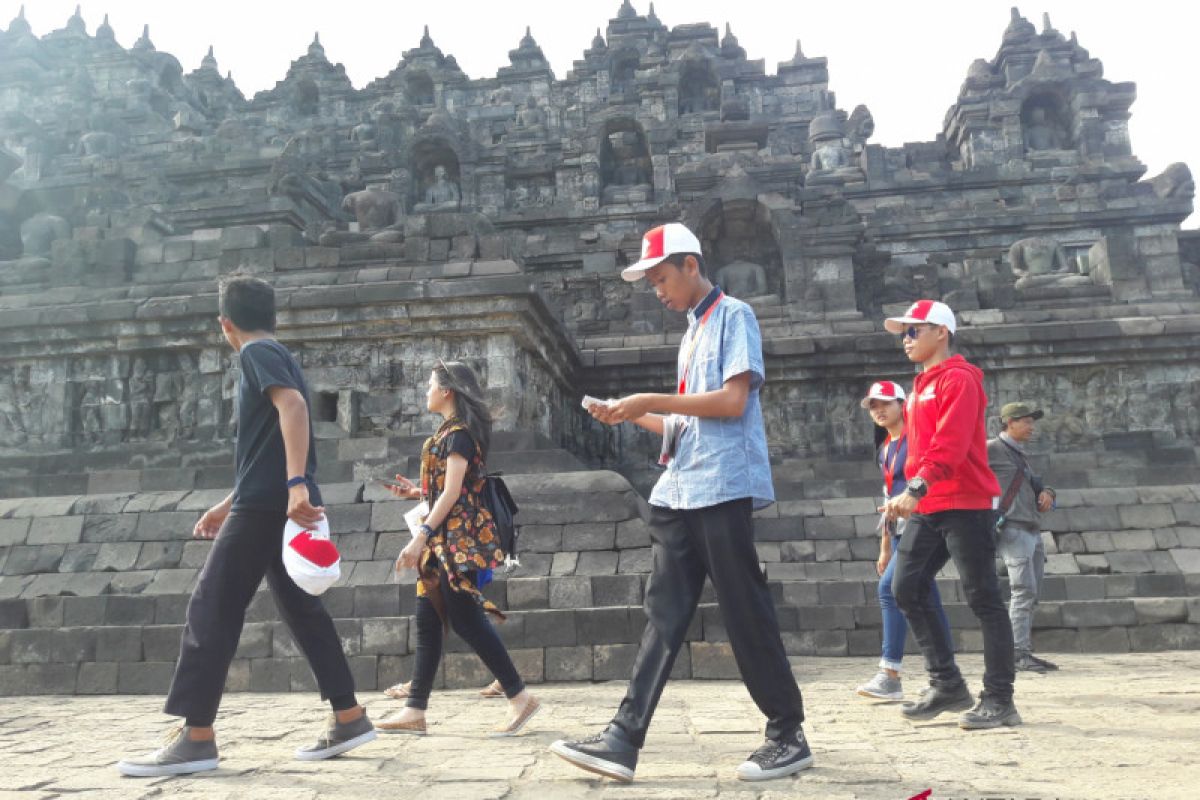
514,725
493,689
399,691
415,727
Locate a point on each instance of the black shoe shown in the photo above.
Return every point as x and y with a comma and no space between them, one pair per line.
602,754
937,700
991,712
1050,666
777,758
1025,662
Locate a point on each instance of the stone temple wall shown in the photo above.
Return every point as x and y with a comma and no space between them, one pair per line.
134,183
431,214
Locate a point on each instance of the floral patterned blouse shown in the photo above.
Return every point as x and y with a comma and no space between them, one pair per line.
466,542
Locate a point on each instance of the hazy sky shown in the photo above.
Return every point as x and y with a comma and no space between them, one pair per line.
904,60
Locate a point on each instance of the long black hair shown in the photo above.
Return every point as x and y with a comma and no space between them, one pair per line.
469,405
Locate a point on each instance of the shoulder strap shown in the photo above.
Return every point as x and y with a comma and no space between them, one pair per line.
1010,494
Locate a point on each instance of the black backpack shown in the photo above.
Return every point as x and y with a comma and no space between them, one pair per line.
504,510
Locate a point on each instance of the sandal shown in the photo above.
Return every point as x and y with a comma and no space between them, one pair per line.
514,725
493,689
399,691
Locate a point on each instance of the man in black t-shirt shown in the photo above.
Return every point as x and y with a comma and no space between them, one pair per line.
276,469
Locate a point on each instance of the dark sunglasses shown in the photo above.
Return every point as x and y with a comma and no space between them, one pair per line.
912,331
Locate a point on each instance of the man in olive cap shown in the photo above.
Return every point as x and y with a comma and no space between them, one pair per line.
1019,537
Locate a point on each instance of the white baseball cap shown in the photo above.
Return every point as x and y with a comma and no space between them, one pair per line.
883,390
660,243
929,312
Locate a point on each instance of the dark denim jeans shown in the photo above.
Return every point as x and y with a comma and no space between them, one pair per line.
930,540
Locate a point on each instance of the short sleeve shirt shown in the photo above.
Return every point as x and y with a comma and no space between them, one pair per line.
719,459
261,483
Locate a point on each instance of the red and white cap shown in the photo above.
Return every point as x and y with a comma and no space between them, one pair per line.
659,243
923,311
883,390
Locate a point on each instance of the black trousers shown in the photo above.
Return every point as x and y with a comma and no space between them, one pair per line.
929,541
248,547
469,621
687,546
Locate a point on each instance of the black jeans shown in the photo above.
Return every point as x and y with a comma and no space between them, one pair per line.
469,621
929,541
687,546
248,547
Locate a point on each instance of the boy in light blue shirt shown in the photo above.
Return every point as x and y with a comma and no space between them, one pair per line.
701,521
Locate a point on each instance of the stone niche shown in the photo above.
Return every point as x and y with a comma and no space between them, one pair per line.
437,176
622,72
418,89
699,91
626,172
743,255
1044,122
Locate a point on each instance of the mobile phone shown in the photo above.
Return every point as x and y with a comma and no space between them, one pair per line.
390,483
589,401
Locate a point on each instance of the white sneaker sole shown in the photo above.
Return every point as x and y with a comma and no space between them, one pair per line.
131,770
880,695
337,749
592,764
771,774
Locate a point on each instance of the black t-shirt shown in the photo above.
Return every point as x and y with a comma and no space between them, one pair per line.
261,459
459,442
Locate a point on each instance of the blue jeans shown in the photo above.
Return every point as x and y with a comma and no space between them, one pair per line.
895,626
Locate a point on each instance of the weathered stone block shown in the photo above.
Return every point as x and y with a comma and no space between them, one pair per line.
385,637
571,592
1098,613
55,530
569,663
96,678
613,661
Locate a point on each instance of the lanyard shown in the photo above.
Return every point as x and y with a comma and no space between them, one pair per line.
889,467
687,360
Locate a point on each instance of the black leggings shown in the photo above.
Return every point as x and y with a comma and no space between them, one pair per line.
468,620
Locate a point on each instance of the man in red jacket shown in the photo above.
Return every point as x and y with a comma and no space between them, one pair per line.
949,502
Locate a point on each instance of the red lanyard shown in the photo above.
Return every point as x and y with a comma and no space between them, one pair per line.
889,467
687,360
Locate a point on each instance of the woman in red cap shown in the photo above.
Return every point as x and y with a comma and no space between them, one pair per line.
885,402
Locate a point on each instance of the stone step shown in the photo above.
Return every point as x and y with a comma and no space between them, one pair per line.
554,592
560,645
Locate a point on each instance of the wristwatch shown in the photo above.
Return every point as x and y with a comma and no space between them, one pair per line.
917,487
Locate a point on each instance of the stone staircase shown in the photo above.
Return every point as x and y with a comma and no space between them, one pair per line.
93,588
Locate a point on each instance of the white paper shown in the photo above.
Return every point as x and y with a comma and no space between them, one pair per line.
415,516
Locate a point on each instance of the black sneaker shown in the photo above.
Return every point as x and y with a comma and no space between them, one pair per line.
1048,665
777,758
937,700
1025,662
602,754
991,712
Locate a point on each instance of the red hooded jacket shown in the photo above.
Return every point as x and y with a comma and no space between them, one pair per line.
947,438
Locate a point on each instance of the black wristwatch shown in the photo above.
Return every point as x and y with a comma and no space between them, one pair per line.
917,488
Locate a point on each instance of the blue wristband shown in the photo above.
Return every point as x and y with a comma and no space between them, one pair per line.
296,481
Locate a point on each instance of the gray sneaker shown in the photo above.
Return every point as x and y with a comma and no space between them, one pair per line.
179,755
338,738
882,687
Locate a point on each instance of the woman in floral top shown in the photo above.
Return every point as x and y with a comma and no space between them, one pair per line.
456,550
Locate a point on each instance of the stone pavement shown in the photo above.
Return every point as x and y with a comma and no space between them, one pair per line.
1113,726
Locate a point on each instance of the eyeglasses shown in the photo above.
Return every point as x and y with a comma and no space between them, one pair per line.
911,332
